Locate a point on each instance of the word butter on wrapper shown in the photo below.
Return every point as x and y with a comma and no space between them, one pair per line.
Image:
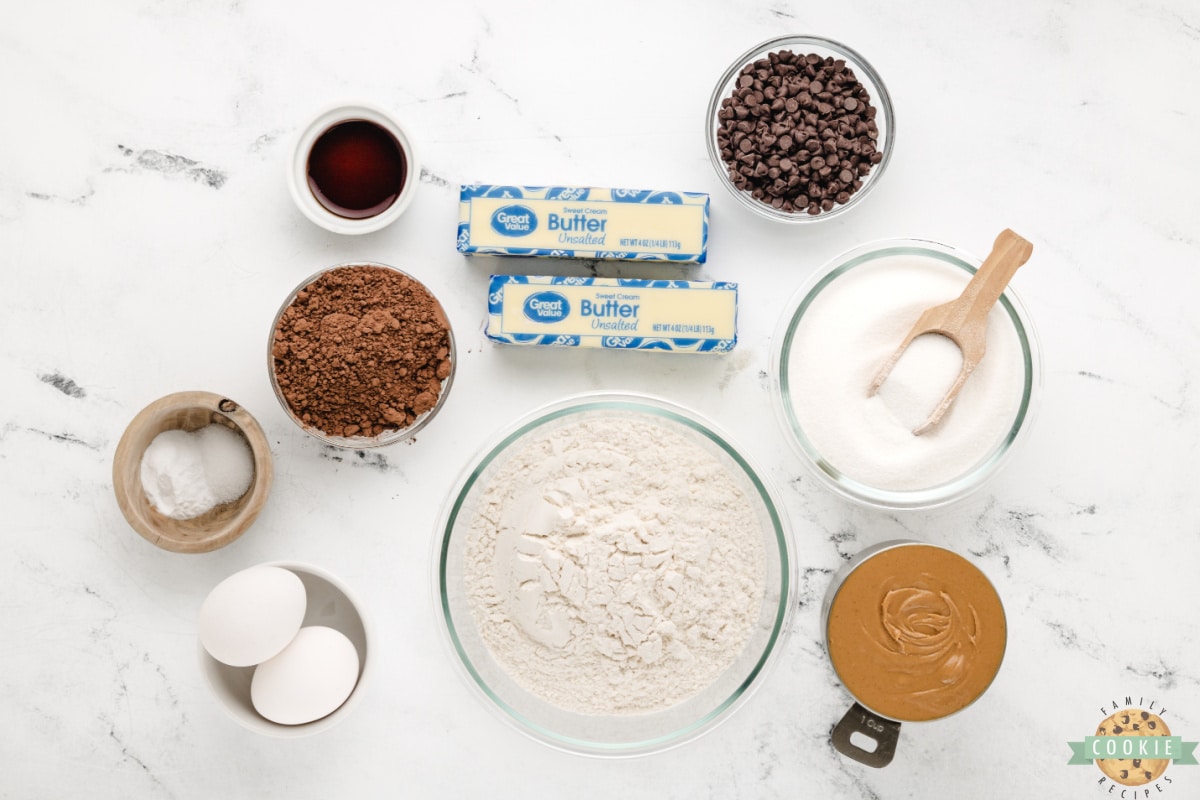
622,313
571,222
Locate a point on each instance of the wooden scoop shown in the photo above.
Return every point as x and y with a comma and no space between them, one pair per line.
964,319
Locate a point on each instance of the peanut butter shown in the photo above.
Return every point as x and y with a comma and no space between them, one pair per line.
916,632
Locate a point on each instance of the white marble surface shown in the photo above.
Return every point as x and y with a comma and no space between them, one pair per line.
147,239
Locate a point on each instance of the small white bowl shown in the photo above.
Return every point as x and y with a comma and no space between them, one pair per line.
297,168
330,603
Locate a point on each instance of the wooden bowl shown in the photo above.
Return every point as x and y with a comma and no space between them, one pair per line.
216,527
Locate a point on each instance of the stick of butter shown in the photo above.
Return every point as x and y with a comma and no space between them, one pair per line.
570,222
624,313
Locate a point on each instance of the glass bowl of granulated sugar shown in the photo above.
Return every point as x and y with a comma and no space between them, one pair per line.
614,576
845,322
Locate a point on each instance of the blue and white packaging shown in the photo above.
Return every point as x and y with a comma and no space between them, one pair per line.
583,222
618,313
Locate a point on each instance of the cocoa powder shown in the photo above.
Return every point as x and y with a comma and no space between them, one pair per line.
360,351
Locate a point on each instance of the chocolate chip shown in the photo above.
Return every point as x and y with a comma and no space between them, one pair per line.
1125,719
1137,762
1124,773
1117,728
1146,772
1151,725
809,120
1145,715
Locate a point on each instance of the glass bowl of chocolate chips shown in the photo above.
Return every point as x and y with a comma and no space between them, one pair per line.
800,129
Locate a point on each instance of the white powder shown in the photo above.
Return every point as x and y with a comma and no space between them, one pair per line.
850,329
614,565
186,474
920,378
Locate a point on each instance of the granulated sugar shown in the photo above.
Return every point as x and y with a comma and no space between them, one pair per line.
614,564
850,329
920,378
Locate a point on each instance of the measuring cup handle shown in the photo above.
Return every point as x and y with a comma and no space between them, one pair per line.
884,732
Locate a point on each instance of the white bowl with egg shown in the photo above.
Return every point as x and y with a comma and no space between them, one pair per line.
844,323
327,651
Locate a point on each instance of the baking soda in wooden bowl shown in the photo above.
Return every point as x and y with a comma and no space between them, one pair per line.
186,473
173,495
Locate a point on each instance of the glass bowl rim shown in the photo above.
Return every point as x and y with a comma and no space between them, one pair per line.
881,98
387,437
899,500
600,401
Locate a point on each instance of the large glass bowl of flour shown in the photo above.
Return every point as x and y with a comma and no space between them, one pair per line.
614,576
845,322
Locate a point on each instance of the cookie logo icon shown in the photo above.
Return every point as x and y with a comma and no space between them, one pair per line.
1133,746
1132,771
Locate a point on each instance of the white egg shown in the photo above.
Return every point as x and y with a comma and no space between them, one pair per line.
252,615
310,679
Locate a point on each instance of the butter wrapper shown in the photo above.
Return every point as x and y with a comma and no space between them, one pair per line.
583,222
617,313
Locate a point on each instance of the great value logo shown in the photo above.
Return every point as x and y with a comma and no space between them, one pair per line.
547,307
514,220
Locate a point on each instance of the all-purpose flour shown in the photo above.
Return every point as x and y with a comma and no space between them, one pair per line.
614,564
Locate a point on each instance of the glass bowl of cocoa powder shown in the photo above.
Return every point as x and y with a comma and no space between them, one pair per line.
361,355
800,129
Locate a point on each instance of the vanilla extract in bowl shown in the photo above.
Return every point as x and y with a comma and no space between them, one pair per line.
352,167
356,169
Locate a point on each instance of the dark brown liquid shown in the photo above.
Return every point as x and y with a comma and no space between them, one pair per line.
356,169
